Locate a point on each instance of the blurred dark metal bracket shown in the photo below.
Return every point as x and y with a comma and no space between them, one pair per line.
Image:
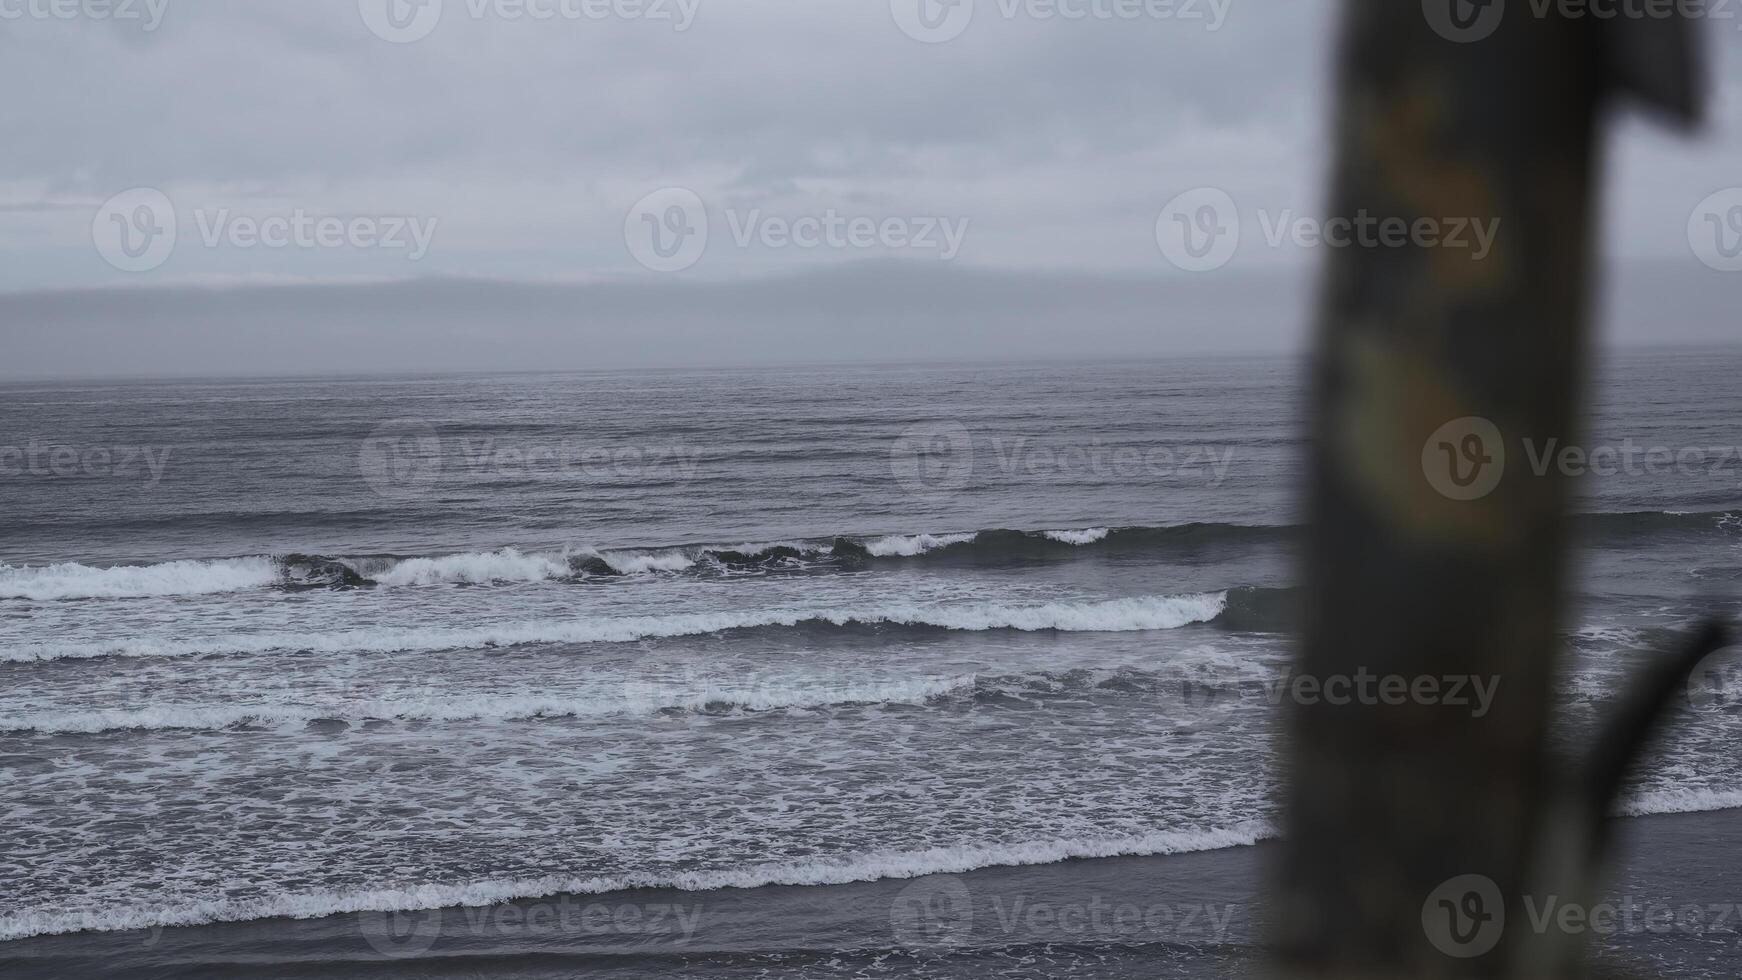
1412,828
1657,60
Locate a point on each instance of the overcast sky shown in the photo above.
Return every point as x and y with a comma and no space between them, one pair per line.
724,173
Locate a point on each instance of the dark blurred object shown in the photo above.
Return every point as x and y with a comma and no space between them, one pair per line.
1435,552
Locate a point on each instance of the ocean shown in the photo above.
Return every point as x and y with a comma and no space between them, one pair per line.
350,651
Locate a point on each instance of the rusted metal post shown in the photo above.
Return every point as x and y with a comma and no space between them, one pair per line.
1434,551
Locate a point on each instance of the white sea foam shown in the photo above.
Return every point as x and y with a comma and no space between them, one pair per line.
642,563
869,866
510,565
504,565
476,568
908,545
1680,800
1104,616
1086,536
188,577
631,699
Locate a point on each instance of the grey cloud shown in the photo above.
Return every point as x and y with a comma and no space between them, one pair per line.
529,141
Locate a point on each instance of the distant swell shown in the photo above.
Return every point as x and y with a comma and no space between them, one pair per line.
633,699
1104,616
870,866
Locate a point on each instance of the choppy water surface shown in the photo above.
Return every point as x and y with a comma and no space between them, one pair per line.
298,647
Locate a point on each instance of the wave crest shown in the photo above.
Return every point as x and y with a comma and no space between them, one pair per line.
508,565
487,568
868,866
1100,616
635,698
71,580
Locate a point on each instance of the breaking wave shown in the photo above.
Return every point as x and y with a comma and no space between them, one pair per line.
508,565
412,896
1102,616
74,581
638,698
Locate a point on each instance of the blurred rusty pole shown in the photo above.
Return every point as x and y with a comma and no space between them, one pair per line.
1435,550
